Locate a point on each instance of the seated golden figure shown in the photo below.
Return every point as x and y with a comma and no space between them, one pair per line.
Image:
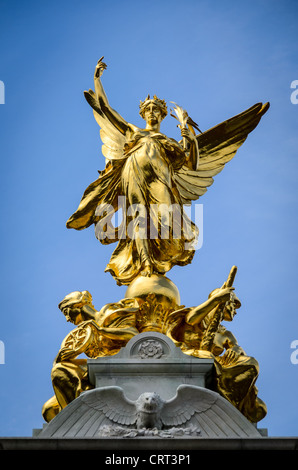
98,333
199,332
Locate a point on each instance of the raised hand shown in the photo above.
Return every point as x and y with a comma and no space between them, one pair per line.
100,67
187,134
224,294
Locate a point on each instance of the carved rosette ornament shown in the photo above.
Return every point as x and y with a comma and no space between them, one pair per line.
150,349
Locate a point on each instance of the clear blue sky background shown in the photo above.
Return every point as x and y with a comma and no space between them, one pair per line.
214,58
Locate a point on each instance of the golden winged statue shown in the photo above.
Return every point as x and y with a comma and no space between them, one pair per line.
147,172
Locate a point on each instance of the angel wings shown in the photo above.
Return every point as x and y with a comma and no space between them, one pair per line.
217,146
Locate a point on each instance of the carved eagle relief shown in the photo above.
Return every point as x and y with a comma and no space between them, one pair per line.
107,412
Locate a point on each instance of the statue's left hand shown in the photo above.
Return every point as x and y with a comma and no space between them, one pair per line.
187,134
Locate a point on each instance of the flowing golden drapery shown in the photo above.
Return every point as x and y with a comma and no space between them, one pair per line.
146,181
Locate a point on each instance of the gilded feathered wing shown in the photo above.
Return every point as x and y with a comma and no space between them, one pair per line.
105,189
112,139
217,146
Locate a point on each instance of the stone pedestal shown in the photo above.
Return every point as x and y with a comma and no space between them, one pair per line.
150,362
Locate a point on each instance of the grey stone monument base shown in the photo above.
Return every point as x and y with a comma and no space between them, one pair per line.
193,416
150,367
150,362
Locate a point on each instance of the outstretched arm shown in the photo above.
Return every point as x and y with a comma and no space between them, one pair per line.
109,112
197,314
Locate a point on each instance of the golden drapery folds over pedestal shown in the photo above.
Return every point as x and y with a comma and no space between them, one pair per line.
149,178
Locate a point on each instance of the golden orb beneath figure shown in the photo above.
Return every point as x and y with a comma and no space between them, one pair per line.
162,287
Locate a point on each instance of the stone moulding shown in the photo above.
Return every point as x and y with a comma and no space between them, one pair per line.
150,360
150,364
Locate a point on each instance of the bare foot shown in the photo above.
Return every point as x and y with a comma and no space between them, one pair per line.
147,271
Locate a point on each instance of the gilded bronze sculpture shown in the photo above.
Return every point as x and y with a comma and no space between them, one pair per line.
150,177
98,333
151,172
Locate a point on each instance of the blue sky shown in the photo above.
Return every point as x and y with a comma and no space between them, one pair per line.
213,58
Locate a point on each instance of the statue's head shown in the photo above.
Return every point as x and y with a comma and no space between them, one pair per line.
230,306
154,103
72,304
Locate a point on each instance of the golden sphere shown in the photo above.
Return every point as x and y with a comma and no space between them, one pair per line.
157,284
